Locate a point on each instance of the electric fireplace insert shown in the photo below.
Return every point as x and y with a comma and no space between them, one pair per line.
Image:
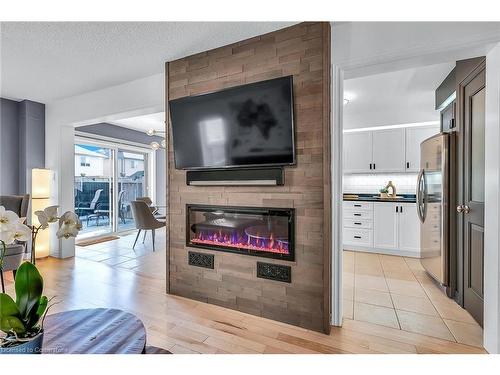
263,232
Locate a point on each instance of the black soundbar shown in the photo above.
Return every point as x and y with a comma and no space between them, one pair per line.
236,177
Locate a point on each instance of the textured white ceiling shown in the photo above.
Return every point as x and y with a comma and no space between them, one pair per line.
45,61
399,97
154,121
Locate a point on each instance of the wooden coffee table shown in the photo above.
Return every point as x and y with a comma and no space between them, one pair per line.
93,331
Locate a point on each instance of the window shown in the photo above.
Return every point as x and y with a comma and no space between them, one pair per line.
84,162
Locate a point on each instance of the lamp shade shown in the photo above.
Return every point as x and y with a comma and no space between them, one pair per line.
41,180
40,183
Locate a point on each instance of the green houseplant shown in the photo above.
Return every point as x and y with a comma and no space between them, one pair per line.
22,320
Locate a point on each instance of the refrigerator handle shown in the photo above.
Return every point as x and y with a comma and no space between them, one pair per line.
419,196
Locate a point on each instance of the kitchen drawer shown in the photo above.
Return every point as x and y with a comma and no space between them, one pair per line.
358,214
358,205
362,223
361,237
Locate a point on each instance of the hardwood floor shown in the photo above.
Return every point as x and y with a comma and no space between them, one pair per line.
181,325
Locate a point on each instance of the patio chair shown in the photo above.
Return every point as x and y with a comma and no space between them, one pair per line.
89,207
121,207
144,220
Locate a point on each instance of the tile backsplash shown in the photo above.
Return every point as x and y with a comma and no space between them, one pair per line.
371,183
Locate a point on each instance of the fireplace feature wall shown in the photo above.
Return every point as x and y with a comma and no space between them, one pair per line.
263,232
236,280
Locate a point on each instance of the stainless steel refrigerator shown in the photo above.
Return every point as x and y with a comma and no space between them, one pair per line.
433,204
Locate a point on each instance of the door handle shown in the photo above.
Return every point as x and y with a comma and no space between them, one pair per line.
463,208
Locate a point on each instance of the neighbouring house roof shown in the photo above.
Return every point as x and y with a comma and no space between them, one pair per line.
79,150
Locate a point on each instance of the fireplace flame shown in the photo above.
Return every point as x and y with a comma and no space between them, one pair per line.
242,241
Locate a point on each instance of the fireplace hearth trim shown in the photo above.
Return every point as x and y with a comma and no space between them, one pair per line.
248,209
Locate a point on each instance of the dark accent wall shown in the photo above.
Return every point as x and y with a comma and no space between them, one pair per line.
118,132
302,51
31,141
22,138
9,147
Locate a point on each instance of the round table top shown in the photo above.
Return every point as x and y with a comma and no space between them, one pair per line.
93,331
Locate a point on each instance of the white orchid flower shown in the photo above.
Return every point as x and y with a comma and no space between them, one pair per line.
8,219
42,219
51,213
69,225
47,216
22,232
7,236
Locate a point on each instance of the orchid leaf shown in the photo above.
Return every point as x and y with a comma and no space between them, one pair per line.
29,286
7,306
11,323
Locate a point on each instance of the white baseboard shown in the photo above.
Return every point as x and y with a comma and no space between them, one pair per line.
402,253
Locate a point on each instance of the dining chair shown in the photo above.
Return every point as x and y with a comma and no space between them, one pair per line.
153,208
145,220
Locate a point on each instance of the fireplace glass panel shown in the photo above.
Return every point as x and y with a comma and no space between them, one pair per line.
265,232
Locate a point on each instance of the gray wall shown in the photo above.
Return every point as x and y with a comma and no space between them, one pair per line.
22,142
31,141
118,132
9,147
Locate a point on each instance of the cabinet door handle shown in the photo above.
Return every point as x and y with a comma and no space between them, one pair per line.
357,214
397,209
370,165
357,205
358,237
401,209
358,223
407,165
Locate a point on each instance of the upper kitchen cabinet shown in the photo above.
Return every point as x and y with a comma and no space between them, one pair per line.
358,152
385,151
414,137
389,150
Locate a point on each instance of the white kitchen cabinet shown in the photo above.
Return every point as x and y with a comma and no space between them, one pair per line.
409,235
385,228
414,137
357,152
388,150
382,227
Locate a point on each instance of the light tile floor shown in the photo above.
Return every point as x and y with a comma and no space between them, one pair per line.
119,254
396,292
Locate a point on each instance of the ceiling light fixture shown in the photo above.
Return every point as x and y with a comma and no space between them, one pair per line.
157,145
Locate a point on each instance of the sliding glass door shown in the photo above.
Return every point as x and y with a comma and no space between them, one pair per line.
94,188
108,177
132,183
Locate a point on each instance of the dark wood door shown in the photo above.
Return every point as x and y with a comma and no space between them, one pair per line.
471,207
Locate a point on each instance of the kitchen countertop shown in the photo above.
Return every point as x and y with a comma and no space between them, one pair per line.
401,198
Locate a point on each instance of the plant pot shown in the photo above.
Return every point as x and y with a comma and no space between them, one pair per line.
34,346
383,195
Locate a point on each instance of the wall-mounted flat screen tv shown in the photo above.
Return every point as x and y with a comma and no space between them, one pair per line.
244,126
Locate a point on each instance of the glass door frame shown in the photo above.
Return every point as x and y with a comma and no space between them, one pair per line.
115,145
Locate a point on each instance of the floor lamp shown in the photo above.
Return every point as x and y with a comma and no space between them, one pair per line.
41,180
